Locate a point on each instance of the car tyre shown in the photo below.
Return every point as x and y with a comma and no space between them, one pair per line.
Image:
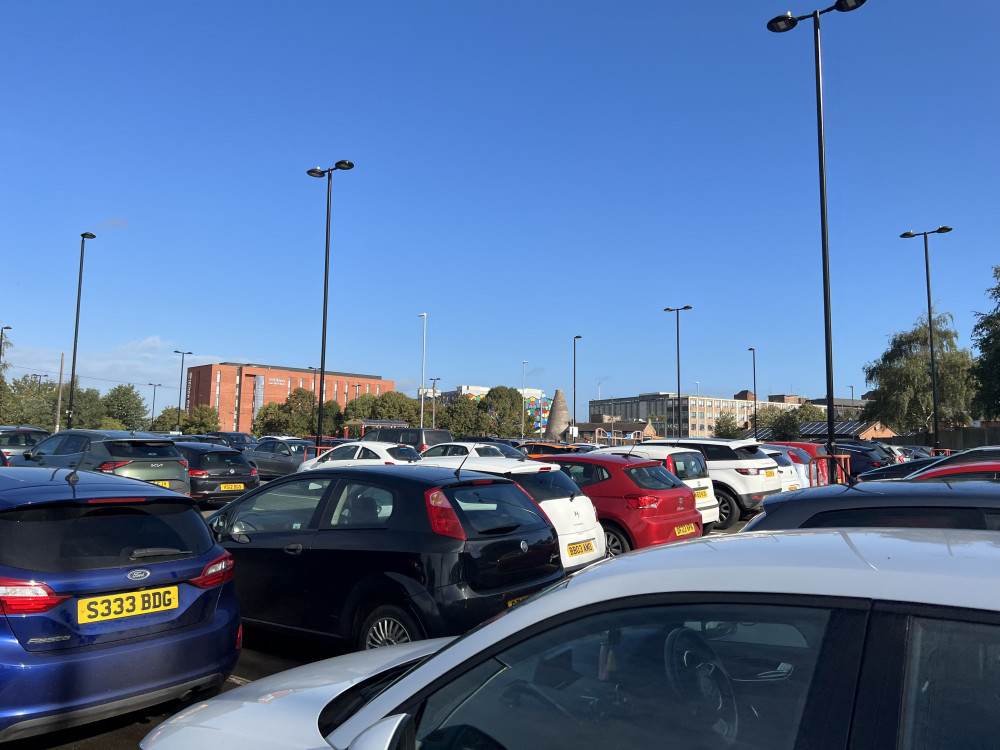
707,528
729,509
616,541
387,625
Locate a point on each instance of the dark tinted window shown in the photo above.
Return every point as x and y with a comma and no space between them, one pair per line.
585,474
58,538
923,518
72,444
545,485
495,508
222,460
716,452
653,478
266,447
779,459
403,453
142,449
409,436
689,465
748,452
21,439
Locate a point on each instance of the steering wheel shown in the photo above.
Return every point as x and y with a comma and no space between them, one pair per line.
700,683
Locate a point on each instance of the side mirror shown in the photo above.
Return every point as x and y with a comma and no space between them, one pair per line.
285,452
391,733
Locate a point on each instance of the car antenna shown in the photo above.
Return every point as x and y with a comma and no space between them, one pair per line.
73,477
464,459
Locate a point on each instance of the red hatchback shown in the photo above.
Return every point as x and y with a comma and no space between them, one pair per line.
638,502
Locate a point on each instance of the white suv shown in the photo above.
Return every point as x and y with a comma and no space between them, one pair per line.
688,465
742,475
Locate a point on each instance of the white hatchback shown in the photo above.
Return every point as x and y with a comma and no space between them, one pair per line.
370,453
581,537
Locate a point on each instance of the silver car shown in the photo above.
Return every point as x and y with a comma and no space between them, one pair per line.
275,457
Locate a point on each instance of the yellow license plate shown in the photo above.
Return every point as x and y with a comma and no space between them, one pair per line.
769,473
227,487
793,487
161,483
688,528
126,605
512,602
700,494
580,548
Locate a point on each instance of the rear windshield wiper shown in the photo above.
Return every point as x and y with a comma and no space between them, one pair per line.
157,552
502,529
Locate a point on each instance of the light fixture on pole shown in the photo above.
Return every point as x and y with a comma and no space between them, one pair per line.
574,385
343,164
434,394
524,401
180,388
930,320
2,329
852,395
423,362
697,385
152,409
76,329
787,23
680,431
751,349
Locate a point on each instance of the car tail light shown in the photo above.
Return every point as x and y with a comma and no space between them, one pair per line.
641,502
216,573
183,462
668,464
239,637
253,472
536,504
390,463
442,515
422,448
27,597
748,472
197,473
878,464
105,500
111,465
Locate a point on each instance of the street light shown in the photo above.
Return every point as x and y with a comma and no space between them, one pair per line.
76,329
312,411
787,23
680,432
524,401
434,394
423,361
343,164
574,384
751,349
2,329
152,410
180,388
930,319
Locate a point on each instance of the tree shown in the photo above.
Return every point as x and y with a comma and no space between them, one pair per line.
809,413
398,406
502,407
785,426
110,423
363,407
166,420
902,397
301,407
986,337
462,417
332,420
766,415
88,410
727,427
205,419
273,419
124,405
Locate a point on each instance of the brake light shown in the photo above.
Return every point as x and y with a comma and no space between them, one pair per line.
668,464
536,504
442,515
239,637
197,473
183,462
27,597
216,573
422,448
253,472
641,502
878,464
748,472
105,500
111,465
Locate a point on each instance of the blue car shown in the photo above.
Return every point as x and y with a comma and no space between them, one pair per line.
114,596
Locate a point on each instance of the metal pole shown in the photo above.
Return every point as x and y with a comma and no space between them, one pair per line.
62,357
574,384
930,331
680,432
754,352
152,410
326,292
2,329
180,388
76,331
423,362
434,403
524,401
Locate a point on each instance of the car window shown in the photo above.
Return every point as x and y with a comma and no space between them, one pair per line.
73,444
132,449
915,517
341,453
223,460
584,475
298,449
437,450
488,451
403,453
750,452
412,437
266,446
49,446
288,506
361,504
689,465
652,478
715,452
778,458
368,454
20,439
492,508
685,676
545,485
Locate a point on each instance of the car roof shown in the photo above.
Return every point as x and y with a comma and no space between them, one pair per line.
604,459
491,464
667,450
205,447
733,443
22,428
413,473
384,444
115,434
31,485
982,492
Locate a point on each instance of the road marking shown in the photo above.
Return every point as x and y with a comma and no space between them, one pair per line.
238,680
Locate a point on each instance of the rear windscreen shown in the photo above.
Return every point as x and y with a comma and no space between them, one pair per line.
779,458
750,451
689,465
653,478
546,485
63,538
403,453
223,460
495,508
133,449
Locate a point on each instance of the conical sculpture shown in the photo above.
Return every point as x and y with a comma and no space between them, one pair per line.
558,424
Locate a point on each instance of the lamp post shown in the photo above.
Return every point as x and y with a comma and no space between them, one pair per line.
852,396
2,329
697,384
152,409
343,164
754,351
574,385
680,432
423,362
930,319
312,411
180,388
524,401
787,23
434,394
76,330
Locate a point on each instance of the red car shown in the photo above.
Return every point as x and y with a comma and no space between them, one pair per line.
976,470
638,502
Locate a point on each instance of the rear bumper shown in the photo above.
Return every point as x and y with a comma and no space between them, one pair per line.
208,490
753,500
664,529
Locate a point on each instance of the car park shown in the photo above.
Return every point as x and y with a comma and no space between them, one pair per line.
276,457
581,537
862,458
418,437
686,464
385,554
217,473
768,641
238,440
798,458
113,597
742,475
638,502
818,466
14,441
369,453
138,455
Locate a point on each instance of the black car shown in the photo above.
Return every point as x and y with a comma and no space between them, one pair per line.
212,439
419,438
963,505
862,458
218,474
898,471
386,554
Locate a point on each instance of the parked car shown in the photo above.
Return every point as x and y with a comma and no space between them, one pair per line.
974,470
3,460
419,438
217,473
797,457
356,453
505,447
483,450
820,640
385,554
959,505
638,502
509,442
862,459
209,439
581,537
790,479
275,457
916,451
686,464
238,440
897,471
124,453
742,475
818,468
544,450
14,441
113,597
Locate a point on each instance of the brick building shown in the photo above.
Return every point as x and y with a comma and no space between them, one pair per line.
238,390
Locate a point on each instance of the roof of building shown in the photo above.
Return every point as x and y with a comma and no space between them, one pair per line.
818,429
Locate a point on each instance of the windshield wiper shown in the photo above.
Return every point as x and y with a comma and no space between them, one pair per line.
502,529
157,552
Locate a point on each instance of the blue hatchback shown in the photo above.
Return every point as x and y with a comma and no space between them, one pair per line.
113,596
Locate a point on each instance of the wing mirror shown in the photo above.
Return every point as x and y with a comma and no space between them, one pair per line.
391,733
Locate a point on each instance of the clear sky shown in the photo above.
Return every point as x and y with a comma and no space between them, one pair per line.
526,172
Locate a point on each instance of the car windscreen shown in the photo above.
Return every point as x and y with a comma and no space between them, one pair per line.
67,537
779,458
492,508
300,447
689,465
509,451
546,485
403,453
652,478
222,460
750,452
138,449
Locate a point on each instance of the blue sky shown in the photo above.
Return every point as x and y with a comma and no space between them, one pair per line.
526,172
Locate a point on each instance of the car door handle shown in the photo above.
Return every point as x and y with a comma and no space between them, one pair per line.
293,549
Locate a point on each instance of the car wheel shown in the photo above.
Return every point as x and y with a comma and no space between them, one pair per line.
615,540
729,509
706,529
388,625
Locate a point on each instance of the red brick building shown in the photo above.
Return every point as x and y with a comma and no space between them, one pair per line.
238,391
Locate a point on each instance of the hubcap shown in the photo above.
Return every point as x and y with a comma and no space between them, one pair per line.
613,543
386,632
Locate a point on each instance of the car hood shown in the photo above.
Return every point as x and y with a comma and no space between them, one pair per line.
282,710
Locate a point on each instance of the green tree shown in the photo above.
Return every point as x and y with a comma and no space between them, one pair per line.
902,397
785,426
727,427
124,405
110,423
809,413
462,417
273,419
166,420
766,415
205,419
27,401
396,405
332,419
301,406
363,407
502,408
88,409
986,337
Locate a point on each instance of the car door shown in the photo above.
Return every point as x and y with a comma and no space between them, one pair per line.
260,456
69,453
269,533
44,454
589,477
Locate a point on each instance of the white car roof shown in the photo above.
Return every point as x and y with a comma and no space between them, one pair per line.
384,445
659,448
489,464
733,443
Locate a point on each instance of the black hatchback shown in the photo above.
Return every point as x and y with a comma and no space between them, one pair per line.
386,554
218,474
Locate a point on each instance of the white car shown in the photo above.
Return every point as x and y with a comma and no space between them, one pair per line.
790,479
819,639
799,461
686,464
484,450
369,453
581,536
